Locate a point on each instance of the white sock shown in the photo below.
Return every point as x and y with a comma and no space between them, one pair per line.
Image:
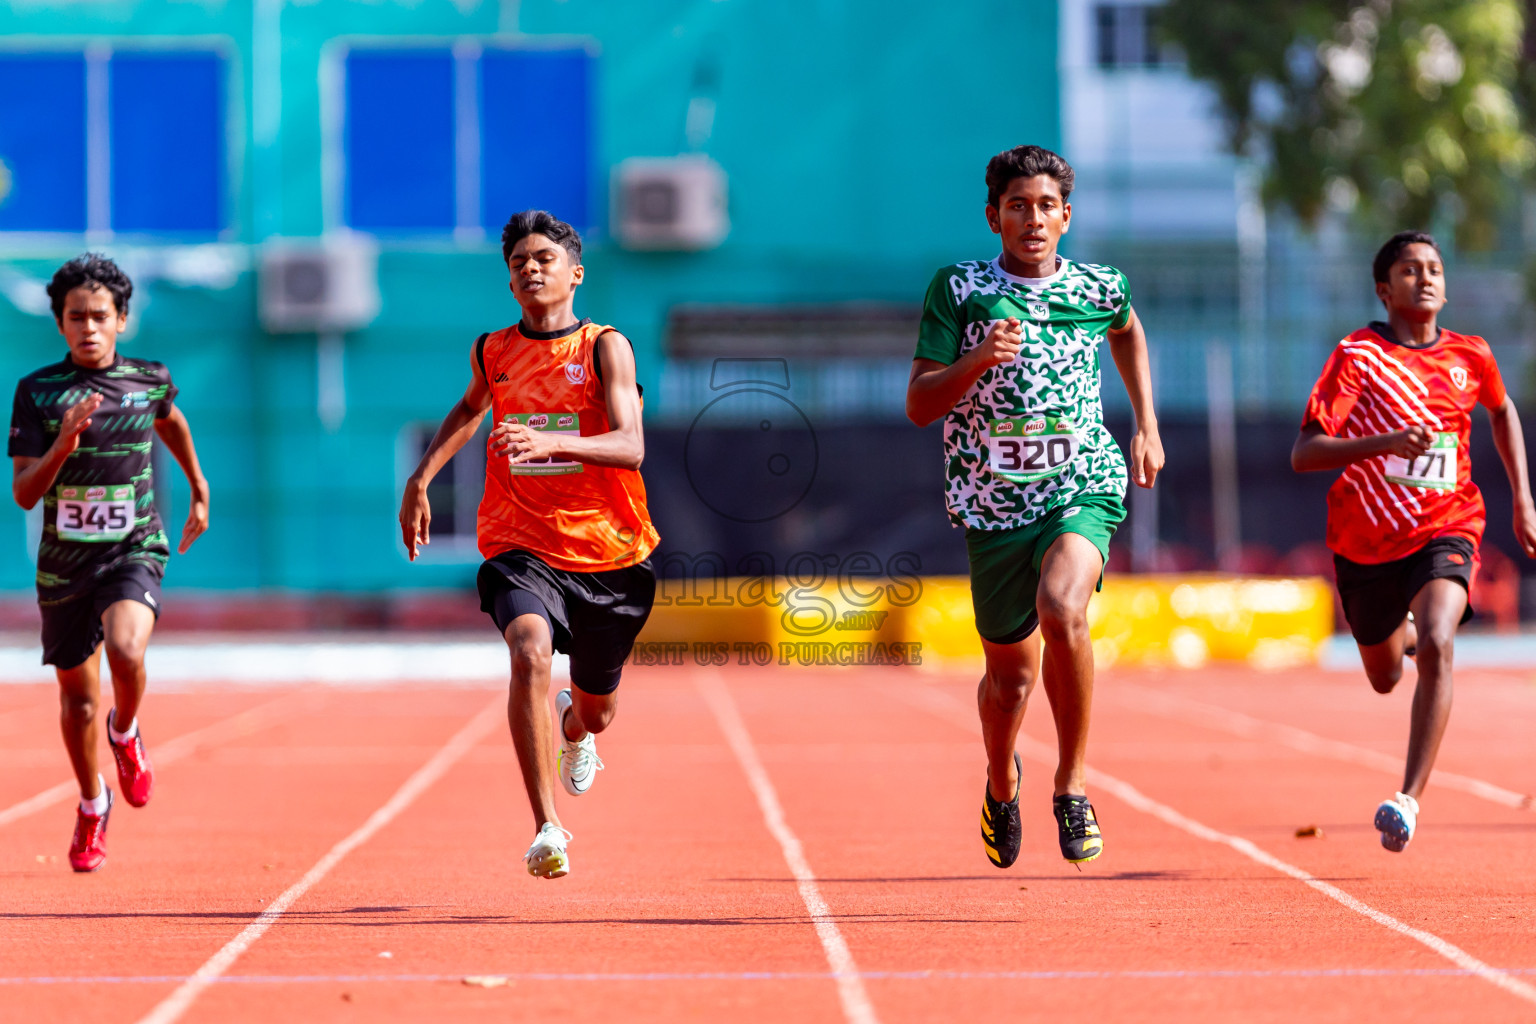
127,734
97,807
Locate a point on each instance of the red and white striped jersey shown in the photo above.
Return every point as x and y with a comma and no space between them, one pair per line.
1385,508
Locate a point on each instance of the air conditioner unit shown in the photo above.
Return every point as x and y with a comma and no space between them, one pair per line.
669,203
329,286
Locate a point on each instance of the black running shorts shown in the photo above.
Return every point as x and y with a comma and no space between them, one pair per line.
593,616
1376,597
72,628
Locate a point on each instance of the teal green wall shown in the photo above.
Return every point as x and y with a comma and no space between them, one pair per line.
854,136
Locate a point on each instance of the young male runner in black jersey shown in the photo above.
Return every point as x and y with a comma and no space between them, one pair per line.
82,434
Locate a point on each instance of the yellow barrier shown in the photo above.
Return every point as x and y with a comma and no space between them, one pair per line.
761,620
1183,620
1267,622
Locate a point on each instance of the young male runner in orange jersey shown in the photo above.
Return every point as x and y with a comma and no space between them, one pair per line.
82,434
563,525
1393,409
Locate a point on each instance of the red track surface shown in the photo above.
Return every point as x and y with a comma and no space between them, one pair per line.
681,905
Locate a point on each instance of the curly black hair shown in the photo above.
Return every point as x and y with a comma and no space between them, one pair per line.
1381,266
1026,162
539,222
89,268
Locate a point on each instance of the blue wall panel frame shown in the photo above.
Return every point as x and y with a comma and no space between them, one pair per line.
168,141
42,141
542,161
400,141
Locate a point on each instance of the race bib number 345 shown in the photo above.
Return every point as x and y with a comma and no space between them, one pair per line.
95,514
547,422
1030,448
1435,469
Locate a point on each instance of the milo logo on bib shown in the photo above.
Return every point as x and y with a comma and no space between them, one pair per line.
1019,427
552,423
1029,448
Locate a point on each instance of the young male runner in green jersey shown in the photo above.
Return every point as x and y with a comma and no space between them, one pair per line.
1008,355
82,435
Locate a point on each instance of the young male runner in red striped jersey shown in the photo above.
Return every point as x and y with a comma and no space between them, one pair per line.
1393,409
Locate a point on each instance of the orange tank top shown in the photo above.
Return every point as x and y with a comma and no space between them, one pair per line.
574,516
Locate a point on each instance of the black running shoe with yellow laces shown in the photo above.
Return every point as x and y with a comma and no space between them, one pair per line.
1078,829
1001,829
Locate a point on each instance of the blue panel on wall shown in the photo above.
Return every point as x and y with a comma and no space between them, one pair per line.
167,117
543,161
400,140
42,142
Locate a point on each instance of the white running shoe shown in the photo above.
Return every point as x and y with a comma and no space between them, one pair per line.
577,760
1395,820
547,858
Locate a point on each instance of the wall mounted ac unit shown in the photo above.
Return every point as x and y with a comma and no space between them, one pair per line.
669,203
329,286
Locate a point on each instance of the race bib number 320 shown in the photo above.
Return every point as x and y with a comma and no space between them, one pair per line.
1435,469
95,514
1030,448
553,423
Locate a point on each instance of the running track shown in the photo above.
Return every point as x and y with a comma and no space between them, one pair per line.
772,845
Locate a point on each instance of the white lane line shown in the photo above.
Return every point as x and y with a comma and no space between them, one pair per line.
355,663
850,985
243,724
1237,723
921,974
957,712
177,1003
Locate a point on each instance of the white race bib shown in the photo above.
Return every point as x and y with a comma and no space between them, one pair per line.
95,514
552,423
1030,448
1435,469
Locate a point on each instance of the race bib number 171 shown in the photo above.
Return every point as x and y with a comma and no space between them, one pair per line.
95,514
1435,469
1030,448
548,422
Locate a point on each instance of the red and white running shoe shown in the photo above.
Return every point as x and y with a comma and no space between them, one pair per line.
134,772
88,850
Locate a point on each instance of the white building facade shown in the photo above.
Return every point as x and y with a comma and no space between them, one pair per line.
1146,141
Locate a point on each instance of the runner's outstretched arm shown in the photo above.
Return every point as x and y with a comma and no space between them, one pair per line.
176,432
1128,347
1316,450
457,428
33,476
623,445
1508,438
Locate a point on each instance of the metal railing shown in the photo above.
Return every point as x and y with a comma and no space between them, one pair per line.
1188,299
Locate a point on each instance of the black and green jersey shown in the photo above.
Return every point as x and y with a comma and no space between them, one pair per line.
1029,436
100,512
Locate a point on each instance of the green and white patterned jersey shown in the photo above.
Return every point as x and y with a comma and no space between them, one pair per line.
1029,436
